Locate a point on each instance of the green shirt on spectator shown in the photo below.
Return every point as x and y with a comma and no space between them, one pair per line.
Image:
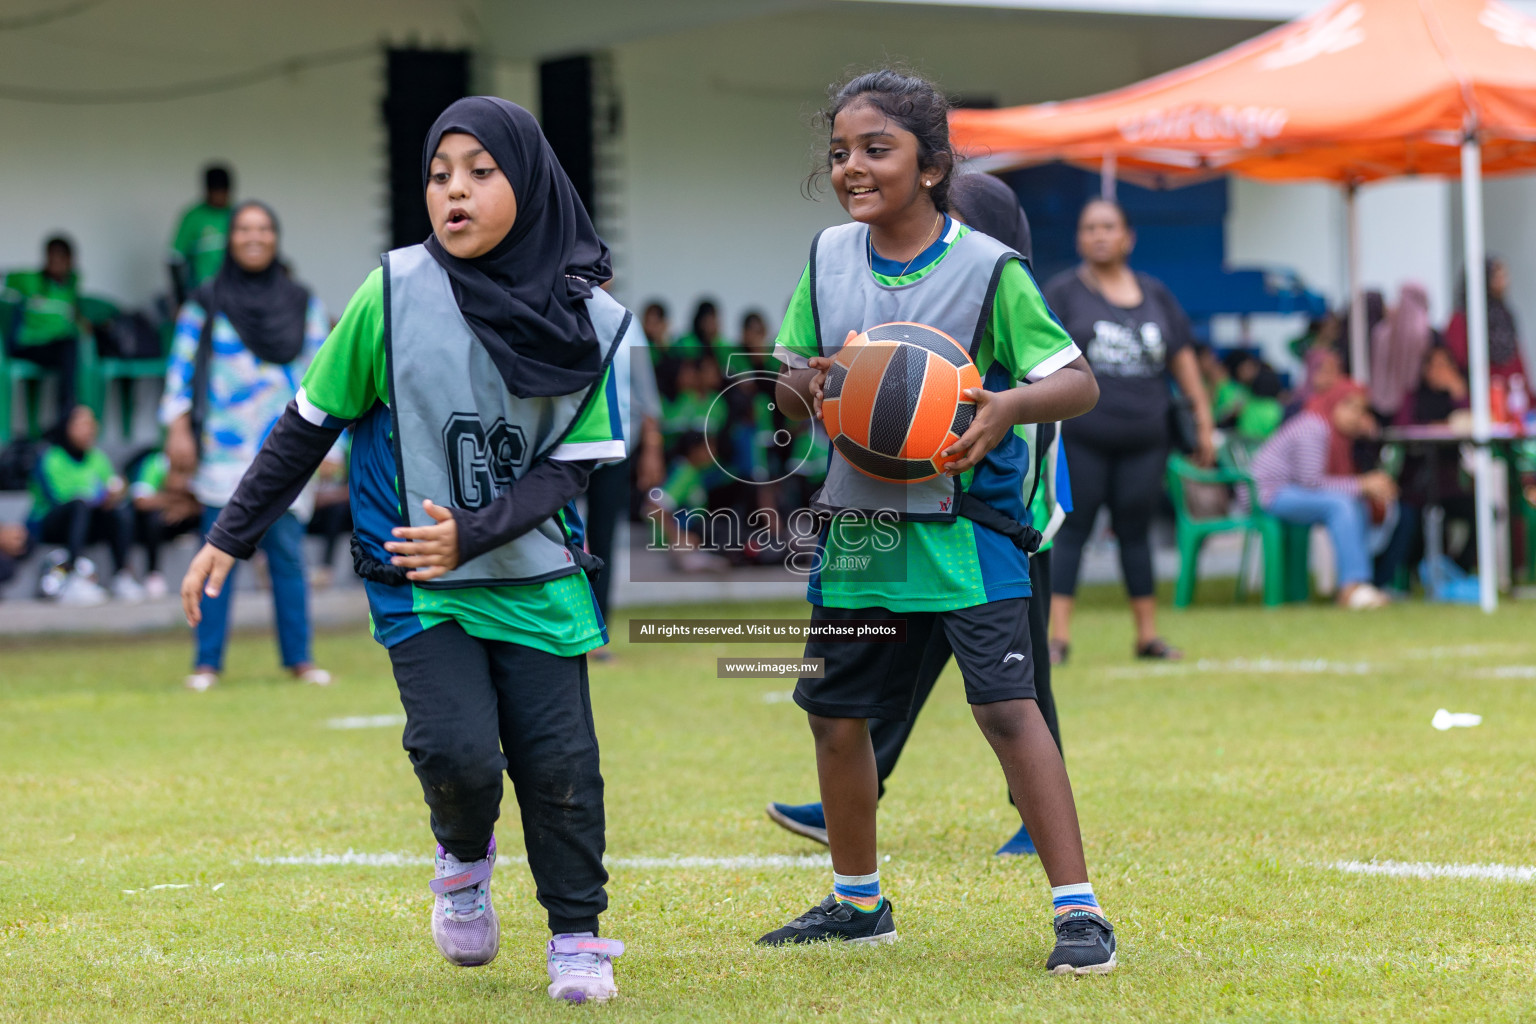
200,242
49,308
60,479
150,475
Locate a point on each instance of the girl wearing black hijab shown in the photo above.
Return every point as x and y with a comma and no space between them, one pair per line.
243,341
477,373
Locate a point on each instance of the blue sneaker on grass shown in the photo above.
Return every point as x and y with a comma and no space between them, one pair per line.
1019,846
803,820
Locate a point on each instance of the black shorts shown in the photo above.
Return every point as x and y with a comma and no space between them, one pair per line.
878,680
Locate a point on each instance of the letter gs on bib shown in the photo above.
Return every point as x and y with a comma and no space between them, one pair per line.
481,462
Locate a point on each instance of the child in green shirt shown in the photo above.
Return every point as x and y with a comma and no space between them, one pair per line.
76,502
476,372
946,552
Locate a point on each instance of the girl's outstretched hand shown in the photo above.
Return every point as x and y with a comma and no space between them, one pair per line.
429,551
989,426
206,575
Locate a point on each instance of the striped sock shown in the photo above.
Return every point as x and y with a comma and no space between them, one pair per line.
862,892
1067,898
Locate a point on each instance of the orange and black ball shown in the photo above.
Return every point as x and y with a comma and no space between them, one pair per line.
895,398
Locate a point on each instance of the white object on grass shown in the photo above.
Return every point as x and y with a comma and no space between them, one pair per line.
1405,869
365,722
1444,720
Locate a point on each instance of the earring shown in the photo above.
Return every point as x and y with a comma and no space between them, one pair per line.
927,183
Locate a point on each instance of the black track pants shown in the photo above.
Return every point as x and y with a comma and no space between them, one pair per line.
475,708
1130,482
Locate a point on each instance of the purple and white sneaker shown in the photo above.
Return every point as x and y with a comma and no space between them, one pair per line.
581,967
464,924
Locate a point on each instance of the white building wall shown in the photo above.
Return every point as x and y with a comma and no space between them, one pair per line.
1406,234
717,140
116,176
718,137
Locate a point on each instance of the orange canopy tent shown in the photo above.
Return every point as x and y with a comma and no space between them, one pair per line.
1359,91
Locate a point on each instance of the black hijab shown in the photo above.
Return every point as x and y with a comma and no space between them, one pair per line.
58,435
988,205
1503,336
525,299
267,308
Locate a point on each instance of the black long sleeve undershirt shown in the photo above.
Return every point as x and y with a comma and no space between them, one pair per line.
294,450
532,498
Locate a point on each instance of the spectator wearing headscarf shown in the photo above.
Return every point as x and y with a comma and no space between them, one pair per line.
1426,481
243,341
1504,359
1322,368
1305,473
77,501
1398,345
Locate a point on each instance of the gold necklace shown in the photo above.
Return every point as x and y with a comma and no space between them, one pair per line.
938,223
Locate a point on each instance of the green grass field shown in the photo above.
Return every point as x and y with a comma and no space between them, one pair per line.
1214,796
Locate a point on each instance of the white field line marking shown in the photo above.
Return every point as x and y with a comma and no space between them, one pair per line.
806,860
1462,650
1509,672
169,885
1406,869
350,859
365,722
1311,666
404,860
779,697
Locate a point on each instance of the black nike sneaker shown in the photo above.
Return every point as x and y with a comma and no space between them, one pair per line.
1085,944
834,921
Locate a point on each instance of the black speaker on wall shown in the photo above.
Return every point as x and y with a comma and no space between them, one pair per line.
565,101
420,84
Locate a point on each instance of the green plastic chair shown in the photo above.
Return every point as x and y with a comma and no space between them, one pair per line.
107,372
1295,538
30,376
14,372
88,376
1284,545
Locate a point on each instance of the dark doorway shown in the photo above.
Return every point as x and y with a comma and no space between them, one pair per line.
565,101
420,83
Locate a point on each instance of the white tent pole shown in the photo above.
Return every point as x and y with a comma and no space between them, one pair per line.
1107,177
1359,344
1477,358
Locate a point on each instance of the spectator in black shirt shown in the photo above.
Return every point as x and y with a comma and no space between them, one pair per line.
1135,335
